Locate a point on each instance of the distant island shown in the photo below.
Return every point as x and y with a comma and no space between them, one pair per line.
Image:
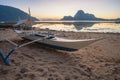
11,14
81,15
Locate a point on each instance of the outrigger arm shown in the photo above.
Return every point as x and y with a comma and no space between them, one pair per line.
6,57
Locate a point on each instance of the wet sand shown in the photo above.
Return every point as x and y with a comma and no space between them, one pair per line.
98,61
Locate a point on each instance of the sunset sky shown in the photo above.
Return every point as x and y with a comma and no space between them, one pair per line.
56,9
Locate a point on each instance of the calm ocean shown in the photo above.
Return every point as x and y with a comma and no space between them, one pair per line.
82,26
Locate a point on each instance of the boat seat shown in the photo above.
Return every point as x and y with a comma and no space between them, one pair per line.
50,36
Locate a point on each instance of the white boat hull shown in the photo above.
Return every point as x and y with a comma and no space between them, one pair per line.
63,44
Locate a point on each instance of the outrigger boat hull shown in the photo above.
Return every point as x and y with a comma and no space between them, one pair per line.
61,43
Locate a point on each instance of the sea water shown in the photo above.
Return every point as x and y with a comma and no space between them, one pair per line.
111,27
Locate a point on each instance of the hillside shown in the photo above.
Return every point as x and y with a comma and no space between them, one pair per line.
8,13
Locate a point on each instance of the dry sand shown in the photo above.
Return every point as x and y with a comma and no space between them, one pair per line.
98,61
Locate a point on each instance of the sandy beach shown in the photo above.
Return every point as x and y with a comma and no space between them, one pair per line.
98,61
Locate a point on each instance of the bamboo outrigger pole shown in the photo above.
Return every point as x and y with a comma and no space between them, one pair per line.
6,57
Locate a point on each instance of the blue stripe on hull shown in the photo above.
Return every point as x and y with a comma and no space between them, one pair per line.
57,47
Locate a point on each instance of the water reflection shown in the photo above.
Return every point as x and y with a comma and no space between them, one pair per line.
103,27
82,26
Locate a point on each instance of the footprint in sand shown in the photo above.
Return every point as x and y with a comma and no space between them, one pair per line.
24,70
18,77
